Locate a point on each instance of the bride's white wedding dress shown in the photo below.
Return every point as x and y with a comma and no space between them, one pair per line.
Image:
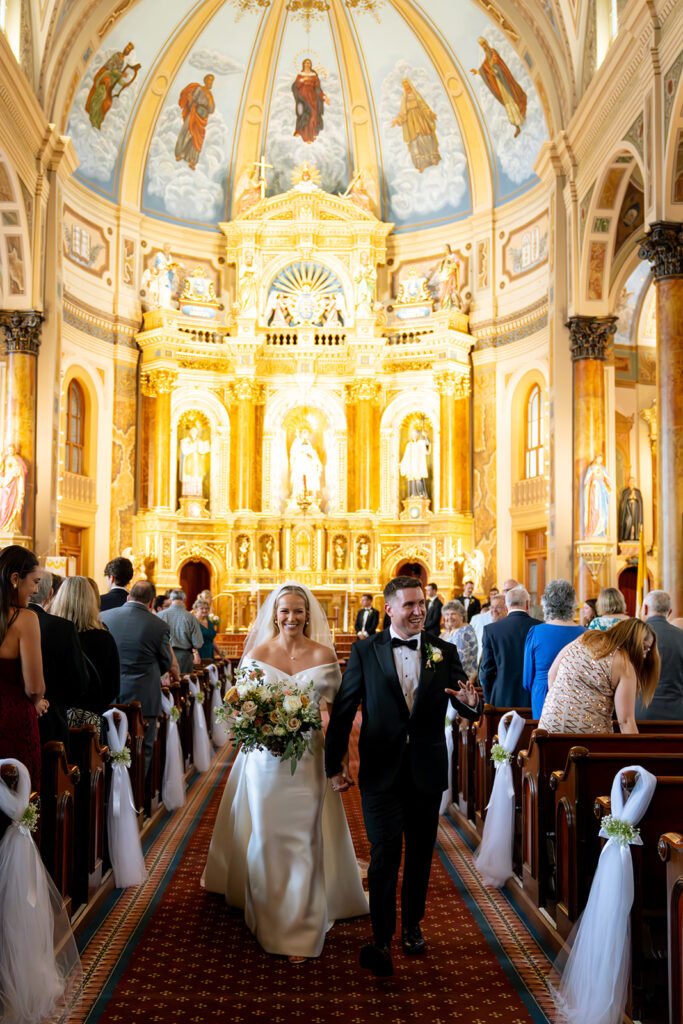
281,847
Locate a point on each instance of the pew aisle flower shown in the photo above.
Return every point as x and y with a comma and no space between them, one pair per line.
589,980
276,717
173,779
40,969
125,849
201,745
493,858
219,732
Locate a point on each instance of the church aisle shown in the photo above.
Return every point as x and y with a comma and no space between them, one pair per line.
169,952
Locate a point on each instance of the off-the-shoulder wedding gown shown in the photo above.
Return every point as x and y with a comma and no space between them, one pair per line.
281,847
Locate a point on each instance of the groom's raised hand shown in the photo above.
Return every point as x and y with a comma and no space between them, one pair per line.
341,782
467,694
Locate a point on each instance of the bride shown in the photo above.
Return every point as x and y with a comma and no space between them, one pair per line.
281,847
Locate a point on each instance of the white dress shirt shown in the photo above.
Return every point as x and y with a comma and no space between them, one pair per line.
408,664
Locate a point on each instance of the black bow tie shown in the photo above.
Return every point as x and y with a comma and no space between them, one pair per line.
397,642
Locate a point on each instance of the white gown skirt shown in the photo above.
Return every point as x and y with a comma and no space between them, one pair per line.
281,850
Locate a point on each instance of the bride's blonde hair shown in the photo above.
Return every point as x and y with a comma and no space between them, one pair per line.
291,588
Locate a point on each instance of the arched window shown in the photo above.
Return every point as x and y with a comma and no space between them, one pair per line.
75,428
534,462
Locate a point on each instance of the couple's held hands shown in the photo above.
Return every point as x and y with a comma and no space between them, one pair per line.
466,694
42,706
341,782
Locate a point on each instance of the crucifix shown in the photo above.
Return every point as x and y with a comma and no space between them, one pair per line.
261,164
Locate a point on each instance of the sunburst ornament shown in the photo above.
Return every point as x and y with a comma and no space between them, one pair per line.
306,289
306,173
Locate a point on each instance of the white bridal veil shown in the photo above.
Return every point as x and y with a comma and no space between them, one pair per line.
264,627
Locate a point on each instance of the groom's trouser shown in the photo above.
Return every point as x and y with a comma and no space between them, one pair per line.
403,812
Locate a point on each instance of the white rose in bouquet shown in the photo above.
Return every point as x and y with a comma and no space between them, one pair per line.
249,709
291,703
279,731
294,725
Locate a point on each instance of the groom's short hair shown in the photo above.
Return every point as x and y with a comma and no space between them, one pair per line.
401,583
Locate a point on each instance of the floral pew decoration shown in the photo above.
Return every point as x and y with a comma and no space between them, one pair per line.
173,779
40,970
493,858
589,980
219,733
125,848
201,745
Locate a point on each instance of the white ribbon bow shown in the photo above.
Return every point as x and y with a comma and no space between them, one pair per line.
116,738
13,803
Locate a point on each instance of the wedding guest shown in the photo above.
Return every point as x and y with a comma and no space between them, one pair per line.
457,631
118,574
186,636
208,650
611,608
502,657
161,603
470,603
667,702
589,611
434,606
598,674
545,641
367,618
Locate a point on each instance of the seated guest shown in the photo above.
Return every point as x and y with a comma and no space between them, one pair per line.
667,702
598,674
589,611
118,573
200,610
434,606
76,602
545,641
186,636
611,608
66,677
367,618
21,671
458,632
502,656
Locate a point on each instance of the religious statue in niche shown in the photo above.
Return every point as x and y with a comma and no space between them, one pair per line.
243,547
332,314
305,467
448,276
160,279
267,552
501,83
363,553
193,451
309,102
413,465
364,280
630,512
418,122
596,488
12,489
302,550
197,103
339,548
107,78
248,288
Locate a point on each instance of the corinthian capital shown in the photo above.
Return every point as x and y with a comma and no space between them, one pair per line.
456,385
158,382
590,336
663,248
363,390
245,389
21,328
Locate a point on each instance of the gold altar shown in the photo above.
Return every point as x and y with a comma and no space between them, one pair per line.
304,436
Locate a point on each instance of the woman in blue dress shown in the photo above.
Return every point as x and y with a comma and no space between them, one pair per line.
545,641
208,650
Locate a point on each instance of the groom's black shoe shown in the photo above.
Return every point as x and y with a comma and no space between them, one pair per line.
413,943
377,959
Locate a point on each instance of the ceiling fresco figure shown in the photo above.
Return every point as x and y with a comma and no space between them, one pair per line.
501,83
418,123
111,74
309,100
197,103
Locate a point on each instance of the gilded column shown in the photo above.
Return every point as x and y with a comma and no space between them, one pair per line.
244,393
663,247
650,417
454,468
22,340
155,468
365,395
589,337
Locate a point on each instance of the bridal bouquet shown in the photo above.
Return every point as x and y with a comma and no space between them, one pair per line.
270,716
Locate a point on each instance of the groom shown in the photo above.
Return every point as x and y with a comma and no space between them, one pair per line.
402,678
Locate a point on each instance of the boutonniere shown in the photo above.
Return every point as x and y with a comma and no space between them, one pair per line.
434,655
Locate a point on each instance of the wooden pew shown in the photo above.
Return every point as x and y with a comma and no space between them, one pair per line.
587,775
185,721
89,817
671,854
485,735
57,809
464,777
136,739
152,783
649,979
546,753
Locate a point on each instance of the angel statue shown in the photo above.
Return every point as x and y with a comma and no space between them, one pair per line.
473,568
365,279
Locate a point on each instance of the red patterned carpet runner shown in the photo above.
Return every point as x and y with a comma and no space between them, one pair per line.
169,952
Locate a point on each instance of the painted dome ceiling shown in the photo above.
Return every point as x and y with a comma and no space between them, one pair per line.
427,105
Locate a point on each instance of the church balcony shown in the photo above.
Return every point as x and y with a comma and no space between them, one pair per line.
531,493
77,488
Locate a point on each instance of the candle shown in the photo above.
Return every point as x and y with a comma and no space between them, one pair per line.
346,612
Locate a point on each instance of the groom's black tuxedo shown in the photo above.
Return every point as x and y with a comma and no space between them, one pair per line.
403,765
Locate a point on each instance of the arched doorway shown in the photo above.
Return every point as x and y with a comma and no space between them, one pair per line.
415,569
195,576
627,583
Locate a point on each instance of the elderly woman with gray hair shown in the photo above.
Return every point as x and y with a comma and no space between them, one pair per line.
545,641
457,631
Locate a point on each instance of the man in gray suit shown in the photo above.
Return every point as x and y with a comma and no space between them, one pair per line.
186,633
667,702
144,645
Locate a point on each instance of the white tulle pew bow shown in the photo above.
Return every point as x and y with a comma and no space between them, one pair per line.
219,733
493,858
125,849
201,745
173,780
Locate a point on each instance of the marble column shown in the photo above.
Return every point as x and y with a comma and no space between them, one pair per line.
365,396
650,417
663,248
22,331
589,337
454,464
244,393
155,475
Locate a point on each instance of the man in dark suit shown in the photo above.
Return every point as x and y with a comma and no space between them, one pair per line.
502,653
667,702
64,670
367,618
144,645
434,606
402,678
118,573
472,604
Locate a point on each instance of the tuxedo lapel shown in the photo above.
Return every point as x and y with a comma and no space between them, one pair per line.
426,674
385,656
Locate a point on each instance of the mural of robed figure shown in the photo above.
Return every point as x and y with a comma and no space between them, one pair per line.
111,74
309,101
502,84
197,103
418,122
